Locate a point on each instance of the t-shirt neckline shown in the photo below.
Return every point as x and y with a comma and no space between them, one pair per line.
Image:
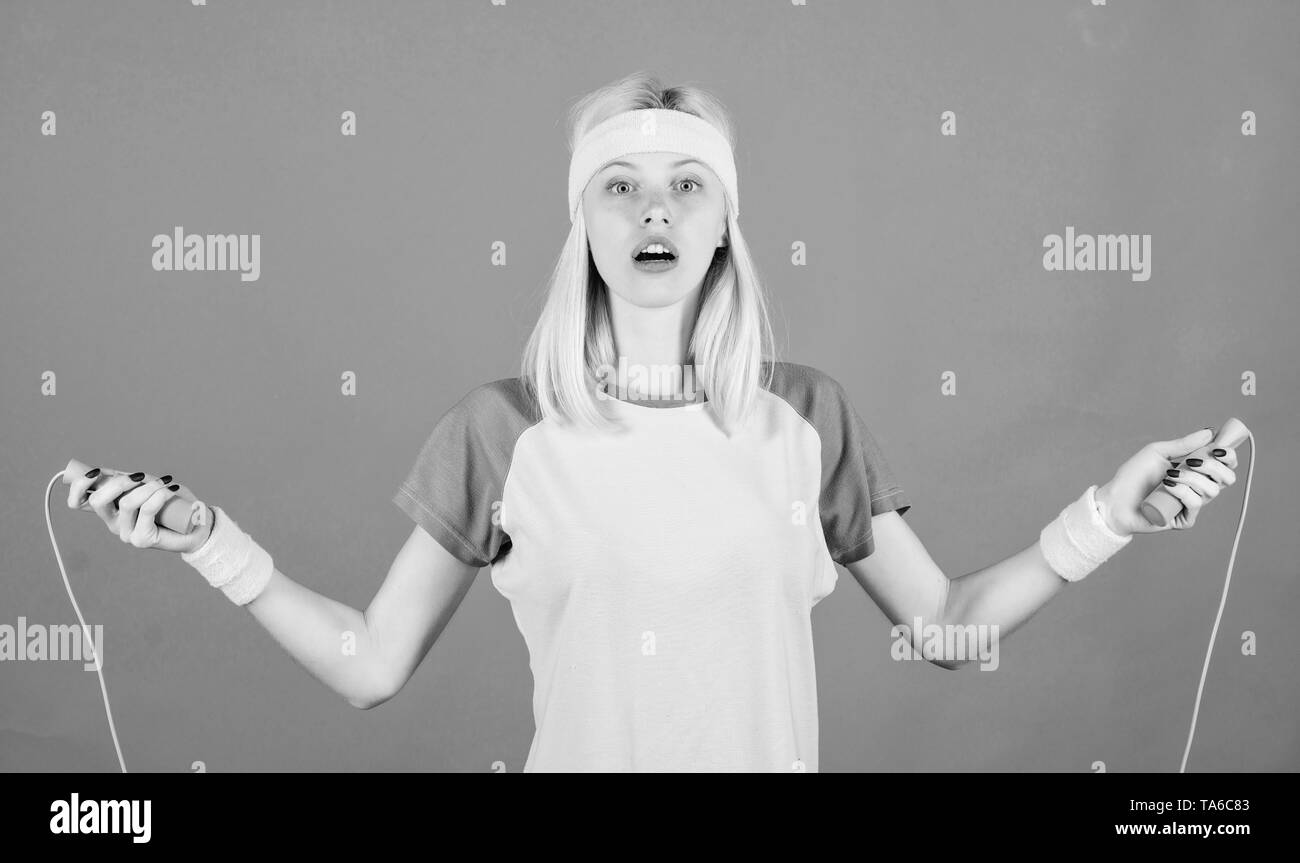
641,408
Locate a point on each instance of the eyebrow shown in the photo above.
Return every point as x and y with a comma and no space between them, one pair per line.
673,165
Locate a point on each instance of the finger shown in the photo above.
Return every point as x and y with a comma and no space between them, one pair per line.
128,502
1217,471
184,492
84,486
1203,486
1179,447
128,507
80,487
146,532
102,500
1189,497
132,500
1229,457
124,520
1191,502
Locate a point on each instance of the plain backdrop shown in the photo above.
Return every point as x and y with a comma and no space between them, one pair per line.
924,257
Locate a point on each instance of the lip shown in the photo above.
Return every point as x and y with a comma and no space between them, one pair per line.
654,238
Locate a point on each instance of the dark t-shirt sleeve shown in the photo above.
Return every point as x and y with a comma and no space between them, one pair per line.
454,488
856,471
857,482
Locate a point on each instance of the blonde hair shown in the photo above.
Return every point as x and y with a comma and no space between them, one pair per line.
731,341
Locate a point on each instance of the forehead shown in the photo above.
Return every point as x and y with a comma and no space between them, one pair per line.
638,161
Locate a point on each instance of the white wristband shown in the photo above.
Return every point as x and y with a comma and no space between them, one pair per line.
1078,540
231,560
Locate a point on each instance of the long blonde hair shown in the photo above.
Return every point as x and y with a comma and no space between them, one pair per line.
731,341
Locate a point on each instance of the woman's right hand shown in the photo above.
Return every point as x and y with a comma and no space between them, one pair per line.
132,517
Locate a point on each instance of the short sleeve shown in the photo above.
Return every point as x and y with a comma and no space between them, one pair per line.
454,488
857,484
856,480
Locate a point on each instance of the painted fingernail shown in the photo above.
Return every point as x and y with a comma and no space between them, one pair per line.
1172,473
92,473
137,476
1176,464
1218,452
165,479
1170,482
173,487
1194,462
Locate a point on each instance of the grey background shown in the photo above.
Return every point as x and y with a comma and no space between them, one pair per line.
924,256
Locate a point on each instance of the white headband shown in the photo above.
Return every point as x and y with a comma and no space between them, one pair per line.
651,130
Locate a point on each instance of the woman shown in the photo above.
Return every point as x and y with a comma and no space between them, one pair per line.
661,551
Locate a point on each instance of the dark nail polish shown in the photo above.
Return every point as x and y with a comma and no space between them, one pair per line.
1177,463
173,487
1172,473
1170,482
1218,453
1194,462
92,473
165,479
137,476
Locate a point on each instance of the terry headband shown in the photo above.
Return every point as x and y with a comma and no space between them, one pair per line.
651,130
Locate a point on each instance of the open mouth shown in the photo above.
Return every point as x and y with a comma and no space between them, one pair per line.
643,257
655,254
652,263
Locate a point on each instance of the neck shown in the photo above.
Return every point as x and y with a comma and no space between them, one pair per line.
650,341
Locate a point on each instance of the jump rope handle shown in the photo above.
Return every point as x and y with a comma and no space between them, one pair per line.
1161,507
175,514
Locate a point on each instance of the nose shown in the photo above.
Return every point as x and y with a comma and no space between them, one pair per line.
655,213
655,210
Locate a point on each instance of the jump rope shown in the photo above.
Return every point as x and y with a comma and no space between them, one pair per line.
1159,507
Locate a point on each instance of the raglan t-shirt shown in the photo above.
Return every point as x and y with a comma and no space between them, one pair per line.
662,574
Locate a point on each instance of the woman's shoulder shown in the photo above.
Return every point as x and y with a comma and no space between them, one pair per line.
803,385
506,401
498,407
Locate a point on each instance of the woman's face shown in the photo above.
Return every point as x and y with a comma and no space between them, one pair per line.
649,194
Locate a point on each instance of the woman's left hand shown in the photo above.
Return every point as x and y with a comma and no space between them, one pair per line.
1194,484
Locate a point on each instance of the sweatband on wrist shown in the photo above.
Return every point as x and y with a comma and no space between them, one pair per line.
231,560
651,130
1078,540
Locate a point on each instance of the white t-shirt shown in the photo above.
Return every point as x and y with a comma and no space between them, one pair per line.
662,575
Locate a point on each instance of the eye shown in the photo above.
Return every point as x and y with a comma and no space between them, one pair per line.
614,184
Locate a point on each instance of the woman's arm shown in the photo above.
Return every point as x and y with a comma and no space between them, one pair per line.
902,578
365,657
368,657
1005,594
907,584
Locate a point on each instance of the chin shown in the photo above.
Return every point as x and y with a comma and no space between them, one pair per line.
653,291
653,296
